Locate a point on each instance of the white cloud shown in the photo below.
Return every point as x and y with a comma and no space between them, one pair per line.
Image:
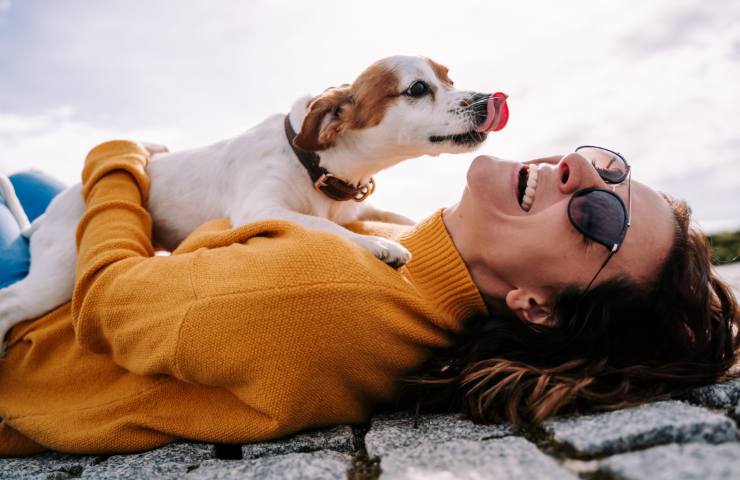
652,80
4,6
57,143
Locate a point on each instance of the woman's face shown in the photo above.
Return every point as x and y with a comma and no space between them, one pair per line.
525,257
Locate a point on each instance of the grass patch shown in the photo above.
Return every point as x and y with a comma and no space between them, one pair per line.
725,247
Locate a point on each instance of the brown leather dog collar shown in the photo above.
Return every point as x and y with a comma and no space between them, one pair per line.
323,181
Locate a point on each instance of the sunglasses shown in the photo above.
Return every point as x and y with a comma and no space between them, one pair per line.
598,213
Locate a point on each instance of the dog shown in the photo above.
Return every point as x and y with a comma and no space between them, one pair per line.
313,167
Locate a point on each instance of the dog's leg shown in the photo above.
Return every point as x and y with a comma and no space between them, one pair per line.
390,252
50,281
369,212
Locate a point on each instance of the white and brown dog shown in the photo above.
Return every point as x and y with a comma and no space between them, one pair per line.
398,108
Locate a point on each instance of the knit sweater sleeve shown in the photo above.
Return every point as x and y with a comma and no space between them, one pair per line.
127,302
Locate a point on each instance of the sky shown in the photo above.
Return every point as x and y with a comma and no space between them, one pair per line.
657,81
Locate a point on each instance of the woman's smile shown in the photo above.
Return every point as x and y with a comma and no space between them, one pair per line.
527,186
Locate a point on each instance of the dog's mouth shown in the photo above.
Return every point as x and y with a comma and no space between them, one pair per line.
468,138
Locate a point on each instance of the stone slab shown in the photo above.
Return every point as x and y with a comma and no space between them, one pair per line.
171,461
319,465
644,426
670,462
511,458
46,466
339,439
394,431
721,395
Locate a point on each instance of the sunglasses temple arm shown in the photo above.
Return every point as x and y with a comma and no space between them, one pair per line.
629,199
613,251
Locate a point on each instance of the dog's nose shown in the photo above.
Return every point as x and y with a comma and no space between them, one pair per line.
479,104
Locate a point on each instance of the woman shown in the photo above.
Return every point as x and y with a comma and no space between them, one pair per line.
256,332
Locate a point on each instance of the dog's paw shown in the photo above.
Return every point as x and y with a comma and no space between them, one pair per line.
392,253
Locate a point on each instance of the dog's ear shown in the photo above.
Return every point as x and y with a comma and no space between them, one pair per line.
325,119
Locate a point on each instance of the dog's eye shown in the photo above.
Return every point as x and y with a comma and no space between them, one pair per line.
417,89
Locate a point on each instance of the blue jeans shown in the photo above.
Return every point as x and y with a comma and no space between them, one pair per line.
34,190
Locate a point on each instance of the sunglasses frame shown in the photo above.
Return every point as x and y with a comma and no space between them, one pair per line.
613,245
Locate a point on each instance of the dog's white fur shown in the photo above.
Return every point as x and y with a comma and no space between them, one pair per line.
256,176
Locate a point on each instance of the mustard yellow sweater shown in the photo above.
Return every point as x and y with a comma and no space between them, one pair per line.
242,334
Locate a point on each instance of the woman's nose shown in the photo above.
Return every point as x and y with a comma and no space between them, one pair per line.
577,173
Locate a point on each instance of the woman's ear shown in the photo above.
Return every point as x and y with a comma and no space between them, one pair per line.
325,119
529,306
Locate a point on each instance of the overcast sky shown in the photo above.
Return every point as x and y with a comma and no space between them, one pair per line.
658,81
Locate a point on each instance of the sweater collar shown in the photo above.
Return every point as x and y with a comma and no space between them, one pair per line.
437,269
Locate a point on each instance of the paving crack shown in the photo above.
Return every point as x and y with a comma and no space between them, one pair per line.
363,467
227,451
733,413
190,468
564,455
599,475
547,443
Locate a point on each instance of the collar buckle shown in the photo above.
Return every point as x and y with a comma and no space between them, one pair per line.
365,191
322,181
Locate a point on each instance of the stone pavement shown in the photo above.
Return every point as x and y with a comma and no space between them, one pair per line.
693,438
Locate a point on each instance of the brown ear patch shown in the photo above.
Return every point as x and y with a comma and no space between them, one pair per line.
360,105
324,119
441,72
373,92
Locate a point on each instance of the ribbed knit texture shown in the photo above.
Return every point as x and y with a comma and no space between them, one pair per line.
242,334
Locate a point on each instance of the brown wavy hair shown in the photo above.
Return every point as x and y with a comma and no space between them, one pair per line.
617,345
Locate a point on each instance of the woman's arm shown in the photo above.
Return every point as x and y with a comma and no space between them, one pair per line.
126,302
229,303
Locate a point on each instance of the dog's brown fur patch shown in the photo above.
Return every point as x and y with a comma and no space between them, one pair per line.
318,133
372,93
360,105
441,72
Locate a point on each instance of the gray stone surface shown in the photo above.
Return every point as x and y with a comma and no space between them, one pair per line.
721,395
317,465
171,461
644,426
510,458
393,431
673,462
339,439
701,444
45,466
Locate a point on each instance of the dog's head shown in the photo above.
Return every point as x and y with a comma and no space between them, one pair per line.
399,106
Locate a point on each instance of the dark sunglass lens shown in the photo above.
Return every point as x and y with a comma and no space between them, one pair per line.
599,215
609,165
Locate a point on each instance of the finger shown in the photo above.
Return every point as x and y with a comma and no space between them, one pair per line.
154,148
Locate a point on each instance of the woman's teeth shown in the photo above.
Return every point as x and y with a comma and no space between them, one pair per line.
529,192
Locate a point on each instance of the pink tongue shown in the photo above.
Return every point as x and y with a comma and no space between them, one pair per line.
497,113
